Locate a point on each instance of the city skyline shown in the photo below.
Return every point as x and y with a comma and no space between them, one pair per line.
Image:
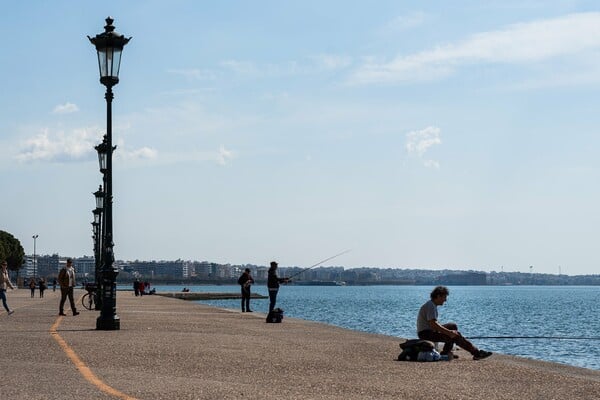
424,135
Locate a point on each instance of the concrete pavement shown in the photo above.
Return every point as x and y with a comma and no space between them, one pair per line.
173,349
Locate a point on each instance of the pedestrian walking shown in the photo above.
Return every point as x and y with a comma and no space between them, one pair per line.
32,287
66,279
43,286
4,284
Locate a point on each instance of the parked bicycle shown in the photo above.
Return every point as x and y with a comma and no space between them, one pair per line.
89,299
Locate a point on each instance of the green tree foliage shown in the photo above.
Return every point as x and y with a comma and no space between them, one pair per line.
11,251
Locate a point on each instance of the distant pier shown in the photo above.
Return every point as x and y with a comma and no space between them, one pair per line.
207,296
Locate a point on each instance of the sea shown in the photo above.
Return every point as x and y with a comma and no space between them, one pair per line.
552,323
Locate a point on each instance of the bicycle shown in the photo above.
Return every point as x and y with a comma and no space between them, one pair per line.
89,299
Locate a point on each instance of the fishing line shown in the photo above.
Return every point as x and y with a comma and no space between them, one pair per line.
539,337
319,263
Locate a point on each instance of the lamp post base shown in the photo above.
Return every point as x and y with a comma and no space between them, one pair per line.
108,324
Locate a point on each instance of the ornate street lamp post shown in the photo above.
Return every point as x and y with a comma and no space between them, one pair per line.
34,237
109,45
96,228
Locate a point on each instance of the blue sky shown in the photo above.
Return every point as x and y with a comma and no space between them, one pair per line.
436,134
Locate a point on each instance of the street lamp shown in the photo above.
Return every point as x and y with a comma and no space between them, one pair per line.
34,260
97,237
96,227
109,46
99,196
97,243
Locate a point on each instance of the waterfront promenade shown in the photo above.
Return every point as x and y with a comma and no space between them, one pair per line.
174,349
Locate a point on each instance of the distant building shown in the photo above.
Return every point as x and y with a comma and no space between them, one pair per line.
27,268
464,278
156,269
85,267
47,266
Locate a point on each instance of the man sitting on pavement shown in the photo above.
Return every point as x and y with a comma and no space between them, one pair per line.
428,327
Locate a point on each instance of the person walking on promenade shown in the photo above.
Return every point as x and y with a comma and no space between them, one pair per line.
245,281
54,283
136,287
66,279
428,327
32,287
273,282
42,284
4,284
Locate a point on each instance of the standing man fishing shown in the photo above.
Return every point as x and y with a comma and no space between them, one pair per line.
273,282
245,281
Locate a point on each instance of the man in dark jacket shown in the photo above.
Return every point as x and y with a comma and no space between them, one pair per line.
245,281
66,279
273,282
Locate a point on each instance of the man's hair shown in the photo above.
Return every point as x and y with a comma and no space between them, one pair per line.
439,291
247,270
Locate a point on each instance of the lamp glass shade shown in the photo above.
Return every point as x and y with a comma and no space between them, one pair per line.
99,195
109,45
109,61
102,150
97,214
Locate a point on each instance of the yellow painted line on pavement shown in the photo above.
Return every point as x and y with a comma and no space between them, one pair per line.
84,369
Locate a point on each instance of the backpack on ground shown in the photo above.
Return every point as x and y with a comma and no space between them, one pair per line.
412,347
275,316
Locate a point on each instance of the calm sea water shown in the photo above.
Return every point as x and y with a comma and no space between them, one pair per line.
479,311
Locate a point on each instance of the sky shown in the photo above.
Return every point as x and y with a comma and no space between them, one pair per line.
434,135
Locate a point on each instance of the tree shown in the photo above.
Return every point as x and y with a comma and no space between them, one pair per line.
11,251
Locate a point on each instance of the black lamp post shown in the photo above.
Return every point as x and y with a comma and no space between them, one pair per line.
34,237
96,228
109,45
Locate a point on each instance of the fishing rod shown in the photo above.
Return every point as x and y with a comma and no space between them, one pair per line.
319,263
539,337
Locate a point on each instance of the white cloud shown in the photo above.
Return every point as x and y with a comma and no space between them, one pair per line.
523,43
241,67
60,146
332,61
405,22
143,153
66,108
418,142
193,73
77,145
312,65
224,155
431,164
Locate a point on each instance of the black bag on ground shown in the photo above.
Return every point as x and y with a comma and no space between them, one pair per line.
275,316
412,347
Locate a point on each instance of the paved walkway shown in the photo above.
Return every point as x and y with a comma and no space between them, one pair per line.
173,349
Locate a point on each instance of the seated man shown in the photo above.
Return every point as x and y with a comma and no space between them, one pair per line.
428,327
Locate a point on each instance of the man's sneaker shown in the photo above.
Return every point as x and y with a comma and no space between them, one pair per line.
481,354
62,313
77,313
11,312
